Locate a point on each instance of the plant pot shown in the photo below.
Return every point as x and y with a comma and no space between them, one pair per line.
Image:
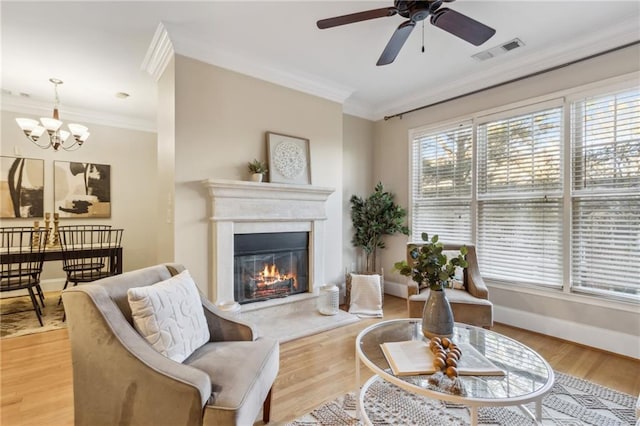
437,317
256,177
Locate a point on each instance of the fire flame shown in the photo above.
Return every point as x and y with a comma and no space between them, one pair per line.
271,275
270,272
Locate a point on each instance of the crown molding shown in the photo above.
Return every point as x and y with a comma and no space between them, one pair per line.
158,54
358,109
510,68
37,108
254,67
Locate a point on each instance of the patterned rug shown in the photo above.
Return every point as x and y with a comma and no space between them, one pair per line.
572,401
18,317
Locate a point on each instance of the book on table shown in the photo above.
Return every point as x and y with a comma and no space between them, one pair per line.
414,357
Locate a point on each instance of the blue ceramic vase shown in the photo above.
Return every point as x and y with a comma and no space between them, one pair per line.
437,317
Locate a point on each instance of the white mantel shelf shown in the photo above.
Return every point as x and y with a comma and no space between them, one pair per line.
259,201
239,207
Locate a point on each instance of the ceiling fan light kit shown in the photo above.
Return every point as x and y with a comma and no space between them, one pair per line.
52,125
453,22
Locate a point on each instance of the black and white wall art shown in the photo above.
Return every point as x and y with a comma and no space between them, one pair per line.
21,187
82,189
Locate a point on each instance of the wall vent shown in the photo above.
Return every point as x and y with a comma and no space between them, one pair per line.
498,50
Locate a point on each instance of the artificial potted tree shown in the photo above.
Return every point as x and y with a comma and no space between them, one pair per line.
257,169
429,266
373,218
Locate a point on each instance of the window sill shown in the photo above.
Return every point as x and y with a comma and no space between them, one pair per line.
620,305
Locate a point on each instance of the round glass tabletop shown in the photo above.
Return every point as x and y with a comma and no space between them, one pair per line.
527,376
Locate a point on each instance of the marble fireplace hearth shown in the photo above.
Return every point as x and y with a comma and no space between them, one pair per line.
293,317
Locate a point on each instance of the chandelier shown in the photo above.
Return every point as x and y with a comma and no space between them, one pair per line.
57,137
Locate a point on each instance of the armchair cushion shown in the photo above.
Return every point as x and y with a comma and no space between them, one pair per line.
241,374
169,315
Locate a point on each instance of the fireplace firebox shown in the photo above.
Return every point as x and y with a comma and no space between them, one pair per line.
270,265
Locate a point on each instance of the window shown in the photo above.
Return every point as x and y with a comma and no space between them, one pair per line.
550,195
441,188
606,193
520,197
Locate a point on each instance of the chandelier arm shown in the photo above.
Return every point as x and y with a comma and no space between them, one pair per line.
71,147
46,146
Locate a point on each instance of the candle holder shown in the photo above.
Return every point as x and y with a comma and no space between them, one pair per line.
55,237
35,238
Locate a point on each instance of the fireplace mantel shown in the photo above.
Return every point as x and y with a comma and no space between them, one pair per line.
238,207
256,201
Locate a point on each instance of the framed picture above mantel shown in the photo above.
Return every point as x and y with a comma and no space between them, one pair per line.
289,159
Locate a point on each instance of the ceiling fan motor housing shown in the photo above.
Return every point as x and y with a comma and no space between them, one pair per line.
416,10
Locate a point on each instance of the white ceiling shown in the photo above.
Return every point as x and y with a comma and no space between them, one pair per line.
97,49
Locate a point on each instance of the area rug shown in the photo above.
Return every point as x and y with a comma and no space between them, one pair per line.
18,317
572,401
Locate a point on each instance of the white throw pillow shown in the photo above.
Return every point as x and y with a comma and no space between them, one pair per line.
170,316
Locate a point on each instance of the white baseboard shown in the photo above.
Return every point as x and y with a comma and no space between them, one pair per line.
47,285
608,340
396,289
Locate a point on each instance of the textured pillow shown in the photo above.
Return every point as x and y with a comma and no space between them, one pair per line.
170,316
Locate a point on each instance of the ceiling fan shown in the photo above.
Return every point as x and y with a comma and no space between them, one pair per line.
447,19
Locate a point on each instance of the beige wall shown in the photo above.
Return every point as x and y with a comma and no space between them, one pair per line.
166,164
221,120
358,179
134,191
391,159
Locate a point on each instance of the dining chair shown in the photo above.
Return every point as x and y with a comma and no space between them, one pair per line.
85,227
21,259
89,252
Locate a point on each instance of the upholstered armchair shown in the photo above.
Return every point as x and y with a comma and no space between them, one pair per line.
120,379
470,305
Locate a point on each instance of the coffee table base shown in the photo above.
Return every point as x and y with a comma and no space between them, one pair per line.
473,409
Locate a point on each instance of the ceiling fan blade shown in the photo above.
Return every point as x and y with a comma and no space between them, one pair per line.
356,17
396,42
462,26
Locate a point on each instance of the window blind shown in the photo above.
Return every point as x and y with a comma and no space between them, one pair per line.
606,142
520,197
520,154
441,183
606,194
520,241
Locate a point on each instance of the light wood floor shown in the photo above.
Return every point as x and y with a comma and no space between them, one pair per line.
36,383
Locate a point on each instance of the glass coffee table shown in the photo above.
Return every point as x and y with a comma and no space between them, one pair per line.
527,376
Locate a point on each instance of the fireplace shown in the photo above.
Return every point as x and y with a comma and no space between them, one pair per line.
240,208
270,265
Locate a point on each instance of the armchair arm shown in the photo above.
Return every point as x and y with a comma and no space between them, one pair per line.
114,369
412,288
475,284
224,327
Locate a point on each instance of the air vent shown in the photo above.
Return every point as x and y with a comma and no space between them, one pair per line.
498,50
